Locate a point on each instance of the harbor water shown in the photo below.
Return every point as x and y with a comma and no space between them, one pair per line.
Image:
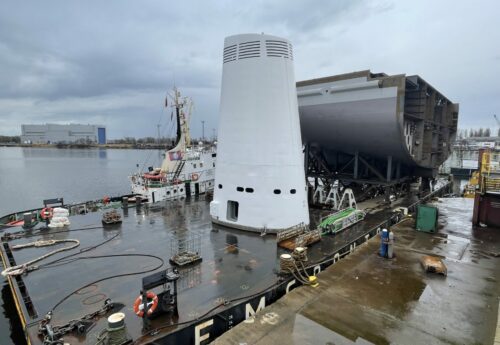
29,175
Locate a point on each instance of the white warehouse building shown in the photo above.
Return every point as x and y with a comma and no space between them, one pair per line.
70,133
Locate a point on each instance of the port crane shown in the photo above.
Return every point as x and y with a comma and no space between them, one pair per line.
498,124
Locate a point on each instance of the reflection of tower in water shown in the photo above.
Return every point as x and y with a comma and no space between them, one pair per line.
242,262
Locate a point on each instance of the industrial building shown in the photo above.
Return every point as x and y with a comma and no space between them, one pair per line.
63,134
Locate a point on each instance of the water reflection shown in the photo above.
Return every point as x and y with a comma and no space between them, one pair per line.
242,260
30,175
103,153
39,152
232,244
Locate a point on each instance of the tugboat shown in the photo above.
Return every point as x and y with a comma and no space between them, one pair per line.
186,170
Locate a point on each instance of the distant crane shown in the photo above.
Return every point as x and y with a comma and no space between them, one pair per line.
496,118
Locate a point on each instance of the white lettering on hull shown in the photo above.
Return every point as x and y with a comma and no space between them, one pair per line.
250,312
198,338
336,257
289,285
316,269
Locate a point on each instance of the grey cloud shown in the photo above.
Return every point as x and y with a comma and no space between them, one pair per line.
112,62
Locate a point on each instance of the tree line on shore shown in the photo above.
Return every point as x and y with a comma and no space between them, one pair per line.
477,133
5,139
146,141
165,141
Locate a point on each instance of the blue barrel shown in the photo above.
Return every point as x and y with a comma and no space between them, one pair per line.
384,238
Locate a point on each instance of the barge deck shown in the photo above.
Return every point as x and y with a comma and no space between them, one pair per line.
237,276
369,300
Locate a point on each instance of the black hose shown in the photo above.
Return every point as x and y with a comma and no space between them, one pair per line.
64,260
162,262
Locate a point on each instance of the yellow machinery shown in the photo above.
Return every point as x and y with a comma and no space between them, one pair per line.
489,172
470,188
487,194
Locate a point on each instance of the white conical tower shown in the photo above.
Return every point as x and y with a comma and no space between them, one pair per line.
259,179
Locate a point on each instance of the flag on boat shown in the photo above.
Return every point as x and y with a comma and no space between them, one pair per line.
175,156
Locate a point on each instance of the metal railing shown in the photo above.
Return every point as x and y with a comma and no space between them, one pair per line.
491,185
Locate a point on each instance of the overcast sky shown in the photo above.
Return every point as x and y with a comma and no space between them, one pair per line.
112,62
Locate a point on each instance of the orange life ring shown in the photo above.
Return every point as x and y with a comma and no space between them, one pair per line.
139,306
194,177
47,212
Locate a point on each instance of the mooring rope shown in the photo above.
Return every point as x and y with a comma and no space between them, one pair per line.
112,336
300,254
288,264
28,266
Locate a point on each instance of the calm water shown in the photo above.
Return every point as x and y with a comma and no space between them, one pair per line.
29,175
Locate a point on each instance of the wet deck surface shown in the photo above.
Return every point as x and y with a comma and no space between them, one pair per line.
365,299
224,273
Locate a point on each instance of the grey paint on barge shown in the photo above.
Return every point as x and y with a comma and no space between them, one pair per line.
223,274
365,299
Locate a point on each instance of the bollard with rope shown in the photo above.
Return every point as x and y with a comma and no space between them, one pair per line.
288,264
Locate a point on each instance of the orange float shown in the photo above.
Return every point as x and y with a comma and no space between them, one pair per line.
139,305
47,213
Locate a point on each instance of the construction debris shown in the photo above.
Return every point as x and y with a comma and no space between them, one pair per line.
433,264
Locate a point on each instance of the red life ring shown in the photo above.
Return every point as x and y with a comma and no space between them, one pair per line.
139,306
47,212
194,177
106,200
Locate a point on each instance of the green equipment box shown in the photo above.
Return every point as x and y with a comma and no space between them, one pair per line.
427,218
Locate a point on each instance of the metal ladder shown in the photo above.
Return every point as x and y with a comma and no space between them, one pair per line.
179,169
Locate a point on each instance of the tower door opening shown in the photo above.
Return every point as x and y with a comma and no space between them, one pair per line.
232,210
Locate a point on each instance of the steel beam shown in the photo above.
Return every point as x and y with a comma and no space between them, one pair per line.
372,169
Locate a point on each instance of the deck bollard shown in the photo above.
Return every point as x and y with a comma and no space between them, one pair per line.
28,216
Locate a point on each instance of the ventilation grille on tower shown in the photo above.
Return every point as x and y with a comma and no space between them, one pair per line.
249,50
252,49
276,48
230,53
